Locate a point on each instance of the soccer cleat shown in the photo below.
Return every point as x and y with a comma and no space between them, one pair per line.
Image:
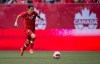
21,52
31,51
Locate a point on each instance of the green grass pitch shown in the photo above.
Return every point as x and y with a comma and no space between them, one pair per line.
45,57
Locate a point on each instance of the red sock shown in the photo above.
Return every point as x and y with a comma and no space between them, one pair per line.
31,44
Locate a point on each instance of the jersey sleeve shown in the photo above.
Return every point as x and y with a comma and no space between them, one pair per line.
36,13
23,14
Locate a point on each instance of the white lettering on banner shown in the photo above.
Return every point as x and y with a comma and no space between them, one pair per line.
62,32
40,24
76,32
85,20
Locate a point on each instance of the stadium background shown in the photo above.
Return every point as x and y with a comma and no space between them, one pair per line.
59,20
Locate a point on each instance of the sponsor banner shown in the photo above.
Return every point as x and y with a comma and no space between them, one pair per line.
14,39
56,16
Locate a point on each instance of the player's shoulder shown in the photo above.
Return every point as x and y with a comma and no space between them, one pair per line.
35,12
23,13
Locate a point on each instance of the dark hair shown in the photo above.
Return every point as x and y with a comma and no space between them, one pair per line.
29,6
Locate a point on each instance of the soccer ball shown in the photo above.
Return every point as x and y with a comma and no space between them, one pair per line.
57,55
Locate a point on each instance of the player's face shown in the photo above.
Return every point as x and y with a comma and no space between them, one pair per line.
31,9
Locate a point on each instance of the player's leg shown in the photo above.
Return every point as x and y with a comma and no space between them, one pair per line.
32,38
24,47
32,42
27,42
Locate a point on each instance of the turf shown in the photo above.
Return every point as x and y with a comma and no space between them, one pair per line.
45,57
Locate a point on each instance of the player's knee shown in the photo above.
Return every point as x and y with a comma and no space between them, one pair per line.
33,36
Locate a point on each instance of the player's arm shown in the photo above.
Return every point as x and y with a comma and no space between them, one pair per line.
39,17
16,21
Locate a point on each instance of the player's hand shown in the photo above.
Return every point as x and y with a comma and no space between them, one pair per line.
16,25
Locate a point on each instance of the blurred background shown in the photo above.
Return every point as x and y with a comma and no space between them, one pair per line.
71,27
68,25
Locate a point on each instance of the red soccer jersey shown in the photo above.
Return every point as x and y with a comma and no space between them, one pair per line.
29,19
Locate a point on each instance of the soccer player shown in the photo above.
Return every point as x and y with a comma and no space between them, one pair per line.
29,27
